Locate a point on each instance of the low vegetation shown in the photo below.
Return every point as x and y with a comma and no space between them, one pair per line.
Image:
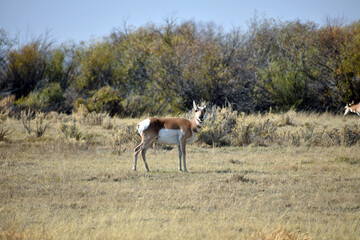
260,176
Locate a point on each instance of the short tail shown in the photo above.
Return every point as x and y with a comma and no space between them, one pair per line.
142,126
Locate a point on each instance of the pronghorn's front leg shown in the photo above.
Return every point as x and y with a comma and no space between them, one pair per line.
180,154
183,150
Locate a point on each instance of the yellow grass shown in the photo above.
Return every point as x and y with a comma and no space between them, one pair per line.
53,188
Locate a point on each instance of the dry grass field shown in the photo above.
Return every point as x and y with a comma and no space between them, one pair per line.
53,187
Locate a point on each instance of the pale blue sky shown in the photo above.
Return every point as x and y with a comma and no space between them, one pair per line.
87,19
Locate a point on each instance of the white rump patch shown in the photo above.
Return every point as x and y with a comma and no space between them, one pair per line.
143,125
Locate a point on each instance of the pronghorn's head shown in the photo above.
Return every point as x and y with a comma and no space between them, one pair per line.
200,112
348,108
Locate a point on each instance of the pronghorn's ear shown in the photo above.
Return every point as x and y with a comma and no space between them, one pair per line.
352,103
195,106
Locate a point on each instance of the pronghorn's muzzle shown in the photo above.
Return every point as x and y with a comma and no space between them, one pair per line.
202,117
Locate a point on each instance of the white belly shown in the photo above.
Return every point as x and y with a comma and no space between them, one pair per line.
172,137
169,136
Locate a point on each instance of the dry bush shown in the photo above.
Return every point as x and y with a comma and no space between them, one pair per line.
93,118
302,135
254,132
307,132
72,130
219,125
26,117
306,135
107,122
263,133
123,135
4,127
4,131
7,104
40,124
225,127
285,119
82,110
350,135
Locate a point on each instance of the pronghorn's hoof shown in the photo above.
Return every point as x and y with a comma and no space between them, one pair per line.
134,169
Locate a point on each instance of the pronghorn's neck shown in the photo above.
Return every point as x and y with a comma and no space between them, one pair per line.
196,124
199,117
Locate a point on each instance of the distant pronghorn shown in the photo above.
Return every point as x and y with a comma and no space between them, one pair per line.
350,107
173,131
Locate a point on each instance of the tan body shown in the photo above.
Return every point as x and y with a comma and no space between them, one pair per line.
172,131
350,107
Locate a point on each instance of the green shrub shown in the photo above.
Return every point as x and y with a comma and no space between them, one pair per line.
106,99
50,98
285,85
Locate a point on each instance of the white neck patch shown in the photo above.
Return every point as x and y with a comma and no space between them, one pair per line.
198,122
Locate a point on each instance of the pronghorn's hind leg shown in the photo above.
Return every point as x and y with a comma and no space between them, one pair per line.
143,152
142,147
136,152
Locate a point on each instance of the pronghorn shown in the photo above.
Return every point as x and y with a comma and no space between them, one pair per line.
173,131
350,107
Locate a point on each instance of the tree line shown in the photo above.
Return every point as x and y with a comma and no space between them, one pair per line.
161,69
